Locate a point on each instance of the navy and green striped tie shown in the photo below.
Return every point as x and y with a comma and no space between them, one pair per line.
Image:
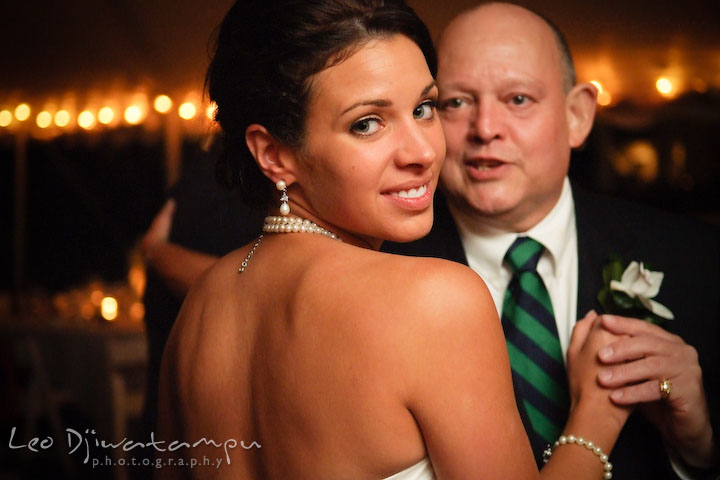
536,358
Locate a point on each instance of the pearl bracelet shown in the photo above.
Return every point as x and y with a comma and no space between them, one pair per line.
565,439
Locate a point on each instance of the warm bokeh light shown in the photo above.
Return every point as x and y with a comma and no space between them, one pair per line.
96,297
109,308
638,160
62,118
86,119
87,311
137,279
699,85
43,119
137,311
5,118
22,112
210,110
187,111
162,103
133,115
604,98
62,305
106,115
664,86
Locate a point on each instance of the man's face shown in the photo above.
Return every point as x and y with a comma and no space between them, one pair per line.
503,109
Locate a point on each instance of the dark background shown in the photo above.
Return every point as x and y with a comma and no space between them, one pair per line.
91,194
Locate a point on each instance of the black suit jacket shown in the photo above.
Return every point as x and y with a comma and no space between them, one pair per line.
685,250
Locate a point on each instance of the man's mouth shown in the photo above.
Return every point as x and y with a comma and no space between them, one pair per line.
484,164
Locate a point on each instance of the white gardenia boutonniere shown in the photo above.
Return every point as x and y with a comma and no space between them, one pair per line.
643,284
630,292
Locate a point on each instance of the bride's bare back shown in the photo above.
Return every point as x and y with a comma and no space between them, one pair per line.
312,365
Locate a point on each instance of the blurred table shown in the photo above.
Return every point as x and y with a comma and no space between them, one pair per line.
95,365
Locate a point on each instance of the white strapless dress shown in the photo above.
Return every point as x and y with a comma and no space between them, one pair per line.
420,471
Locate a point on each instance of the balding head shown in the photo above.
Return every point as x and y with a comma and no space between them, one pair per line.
487,15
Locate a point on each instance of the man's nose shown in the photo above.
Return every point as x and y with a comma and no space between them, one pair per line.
487,121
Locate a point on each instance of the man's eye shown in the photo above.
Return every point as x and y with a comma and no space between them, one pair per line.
452,103
365,126
424,110
519,100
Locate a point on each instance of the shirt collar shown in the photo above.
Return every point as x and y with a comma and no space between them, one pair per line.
486,246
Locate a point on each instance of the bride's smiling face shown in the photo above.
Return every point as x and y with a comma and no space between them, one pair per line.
374,144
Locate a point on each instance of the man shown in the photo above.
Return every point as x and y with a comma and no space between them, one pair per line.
512,112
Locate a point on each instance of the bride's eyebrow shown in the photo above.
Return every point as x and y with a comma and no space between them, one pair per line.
383,102
362,103
428,88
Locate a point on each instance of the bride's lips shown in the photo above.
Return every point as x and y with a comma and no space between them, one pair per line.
410,196
486,168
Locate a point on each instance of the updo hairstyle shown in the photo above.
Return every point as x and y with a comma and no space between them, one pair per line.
265,55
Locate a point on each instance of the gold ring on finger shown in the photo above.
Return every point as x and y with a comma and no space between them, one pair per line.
665,389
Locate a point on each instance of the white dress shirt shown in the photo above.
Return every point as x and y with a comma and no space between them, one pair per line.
486,247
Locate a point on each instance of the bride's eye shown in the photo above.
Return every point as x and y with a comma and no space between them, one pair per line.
424,110
366,126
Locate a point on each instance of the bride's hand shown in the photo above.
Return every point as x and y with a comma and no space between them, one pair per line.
588,338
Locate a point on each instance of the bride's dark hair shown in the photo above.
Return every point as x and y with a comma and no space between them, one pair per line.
265,54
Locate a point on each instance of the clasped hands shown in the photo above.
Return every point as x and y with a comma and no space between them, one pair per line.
630,358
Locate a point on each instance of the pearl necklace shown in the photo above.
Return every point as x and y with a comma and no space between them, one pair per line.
286,225
295,225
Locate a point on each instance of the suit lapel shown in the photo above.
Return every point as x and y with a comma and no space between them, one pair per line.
597,239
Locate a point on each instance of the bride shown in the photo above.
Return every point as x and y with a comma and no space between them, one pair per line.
338,361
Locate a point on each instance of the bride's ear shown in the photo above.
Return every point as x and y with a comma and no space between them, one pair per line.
275,160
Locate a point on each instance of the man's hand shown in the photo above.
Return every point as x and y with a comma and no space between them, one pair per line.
637,363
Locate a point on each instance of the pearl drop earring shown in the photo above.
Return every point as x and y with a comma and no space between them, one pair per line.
284,205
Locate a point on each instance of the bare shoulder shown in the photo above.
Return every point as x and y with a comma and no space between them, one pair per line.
435,290
445,301
408,297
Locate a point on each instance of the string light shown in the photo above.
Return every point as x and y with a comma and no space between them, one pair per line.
109,309
86,119
106,115
62,118
133,115
187,111
43,119
664,86
5,118
22,112
162,103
